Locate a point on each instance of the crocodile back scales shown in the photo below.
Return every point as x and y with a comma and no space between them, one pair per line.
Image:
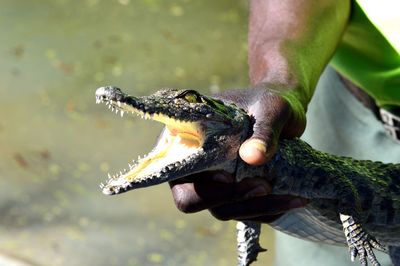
321,177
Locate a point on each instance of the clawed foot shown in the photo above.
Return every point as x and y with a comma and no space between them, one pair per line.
359,242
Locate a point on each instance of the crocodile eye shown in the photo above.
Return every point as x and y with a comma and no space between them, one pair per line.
191,96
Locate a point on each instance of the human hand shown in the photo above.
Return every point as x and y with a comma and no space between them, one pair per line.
249,199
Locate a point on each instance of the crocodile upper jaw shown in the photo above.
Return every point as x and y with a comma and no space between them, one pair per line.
179,142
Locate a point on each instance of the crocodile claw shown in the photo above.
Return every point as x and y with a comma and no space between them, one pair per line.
360,243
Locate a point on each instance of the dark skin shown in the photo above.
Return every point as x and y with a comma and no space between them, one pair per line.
290,42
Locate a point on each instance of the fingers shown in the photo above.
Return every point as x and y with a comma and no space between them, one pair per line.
208,191
264,209
249,199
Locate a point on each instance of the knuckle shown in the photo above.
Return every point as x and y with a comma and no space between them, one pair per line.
183,206
183,199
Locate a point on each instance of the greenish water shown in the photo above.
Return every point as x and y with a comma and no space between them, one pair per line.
57,145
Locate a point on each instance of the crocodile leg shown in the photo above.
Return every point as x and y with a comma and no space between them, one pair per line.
248,246
359,242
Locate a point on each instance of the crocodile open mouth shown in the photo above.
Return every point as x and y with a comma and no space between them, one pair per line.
179,141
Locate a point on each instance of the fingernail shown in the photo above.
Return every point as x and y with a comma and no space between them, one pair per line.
297,203
258,145
219,177
256,192
253,152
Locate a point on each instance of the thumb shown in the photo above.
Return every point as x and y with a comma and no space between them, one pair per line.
255,151
270,112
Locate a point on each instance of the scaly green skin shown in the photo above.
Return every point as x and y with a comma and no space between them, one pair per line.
365,195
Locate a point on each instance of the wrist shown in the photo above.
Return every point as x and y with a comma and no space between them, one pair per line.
274,72
296,122
291,105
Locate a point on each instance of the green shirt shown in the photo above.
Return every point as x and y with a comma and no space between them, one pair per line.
365,57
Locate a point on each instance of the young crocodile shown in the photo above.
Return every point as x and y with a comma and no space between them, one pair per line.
361,198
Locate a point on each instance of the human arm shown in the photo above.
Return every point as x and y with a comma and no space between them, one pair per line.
290,42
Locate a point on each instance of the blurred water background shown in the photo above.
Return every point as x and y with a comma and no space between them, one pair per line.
57,145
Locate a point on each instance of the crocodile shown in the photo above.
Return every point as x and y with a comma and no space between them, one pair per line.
351,202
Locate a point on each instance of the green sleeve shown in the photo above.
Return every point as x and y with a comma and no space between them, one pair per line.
365,57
